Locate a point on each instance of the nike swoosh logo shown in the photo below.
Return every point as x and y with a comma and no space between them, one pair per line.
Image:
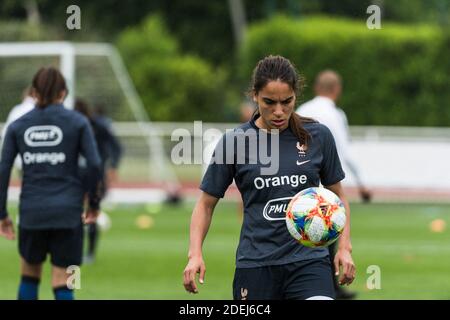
303,162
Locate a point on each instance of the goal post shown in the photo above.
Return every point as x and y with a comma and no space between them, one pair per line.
94,72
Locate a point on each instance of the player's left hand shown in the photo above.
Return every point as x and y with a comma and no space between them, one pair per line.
90,216
365,194
7,229
344,266
111,176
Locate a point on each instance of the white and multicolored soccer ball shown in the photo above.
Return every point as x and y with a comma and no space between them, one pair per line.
104,221
315,217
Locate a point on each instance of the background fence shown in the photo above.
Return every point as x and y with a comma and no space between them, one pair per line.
397,163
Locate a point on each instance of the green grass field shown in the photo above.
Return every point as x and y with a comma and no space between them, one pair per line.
148,264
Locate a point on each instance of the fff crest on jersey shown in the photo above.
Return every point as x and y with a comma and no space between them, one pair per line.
301,149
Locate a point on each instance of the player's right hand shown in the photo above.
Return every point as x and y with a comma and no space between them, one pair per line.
194,266
90,216
7,229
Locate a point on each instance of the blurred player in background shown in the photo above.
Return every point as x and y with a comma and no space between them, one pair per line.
328,89
111,149
49,139
110,152
270,264
100,115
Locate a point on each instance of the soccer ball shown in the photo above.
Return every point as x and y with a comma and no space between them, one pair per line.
104,221
315,217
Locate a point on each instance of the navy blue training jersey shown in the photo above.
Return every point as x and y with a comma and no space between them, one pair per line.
264,238
108,145
110,152
49,142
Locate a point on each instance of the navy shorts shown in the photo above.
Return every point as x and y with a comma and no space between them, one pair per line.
65,246
294,281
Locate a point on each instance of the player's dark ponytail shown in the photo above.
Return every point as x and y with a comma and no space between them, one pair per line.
273,68
47,86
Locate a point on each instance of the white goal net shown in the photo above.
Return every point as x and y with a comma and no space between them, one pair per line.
95,73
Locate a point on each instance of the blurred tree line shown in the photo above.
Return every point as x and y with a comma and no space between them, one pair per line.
181,53
204,27
399,75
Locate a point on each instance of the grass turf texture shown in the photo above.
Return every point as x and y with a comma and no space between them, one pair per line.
148,263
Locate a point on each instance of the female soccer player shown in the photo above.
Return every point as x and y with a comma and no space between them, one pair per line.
49,139
270,264
110,153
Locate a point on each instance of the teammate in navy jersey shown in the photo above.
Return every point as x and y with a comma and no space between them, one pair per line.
49,139
110,154
270,264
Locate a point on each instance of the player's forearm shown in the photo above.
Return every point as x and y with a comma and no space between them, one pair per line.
116,153
7,156
344,240
94,181
5,172
90,152
200,222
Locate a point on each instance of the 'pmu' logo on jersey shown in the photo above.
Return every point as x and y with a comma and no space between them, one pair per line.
275,209
43,136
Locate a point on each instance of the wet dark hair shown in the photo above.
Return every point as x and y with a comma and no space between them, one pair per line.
47,85
274,68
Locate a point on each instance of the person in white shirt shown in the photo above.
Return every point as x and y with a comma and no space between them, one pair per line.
27,104
328,89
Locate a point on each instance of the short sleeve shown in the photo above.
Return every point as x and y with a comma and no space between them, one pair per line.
220,172
331,170
8,154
